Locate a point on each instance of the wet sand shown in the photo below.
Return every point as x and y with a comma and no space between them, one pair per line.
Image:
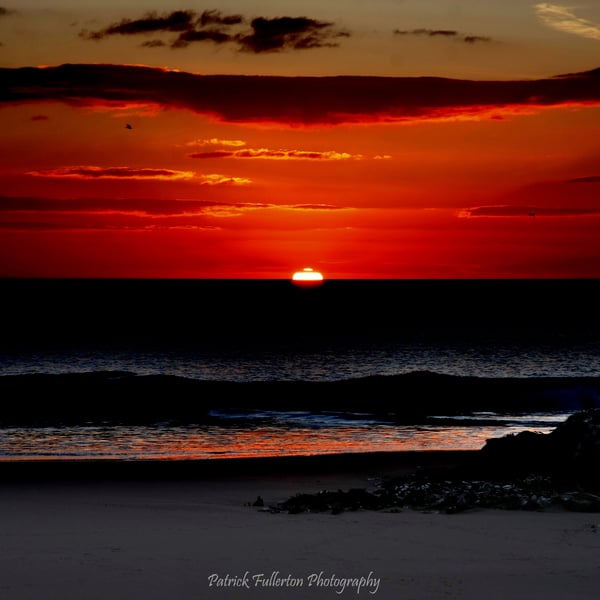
149,531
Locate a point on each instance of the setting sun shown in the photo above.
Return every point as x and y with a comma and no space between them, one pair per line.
307,276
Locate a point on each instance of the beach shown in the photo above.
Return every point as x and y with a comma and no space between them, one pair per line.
104,530
135,449
300,300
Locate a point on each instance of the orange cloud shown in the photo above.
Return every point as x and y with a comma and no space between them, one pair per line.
216,179
125,173
92,172
217,142
295,100
277,154
105,213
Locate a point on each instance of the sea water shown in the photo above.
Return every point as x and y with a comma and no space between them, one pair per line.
244,331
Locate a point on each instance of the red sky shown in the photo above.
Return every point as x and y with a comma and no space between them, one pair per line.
238,143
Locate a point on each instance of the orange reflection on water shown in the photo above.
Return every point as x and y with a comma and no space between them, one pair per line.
167,442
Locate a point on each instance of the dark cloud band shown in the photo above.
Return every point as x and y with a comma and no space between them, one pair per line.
292,100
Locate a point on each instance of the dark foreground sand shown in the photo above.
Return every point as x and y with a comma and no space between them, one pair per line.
128,531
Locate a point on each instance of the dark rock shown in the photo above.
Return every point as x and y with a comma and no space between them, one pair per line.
334,502
521,452
581,502
426,493
571,452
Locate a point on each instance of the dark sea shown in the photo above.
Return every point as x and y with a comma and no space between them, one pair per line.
188,369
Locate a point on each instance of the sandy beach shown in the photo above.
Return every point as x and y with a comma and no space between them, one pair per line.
192,532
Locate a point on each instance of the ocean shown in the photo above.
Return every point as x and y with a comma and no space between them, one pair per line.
194,369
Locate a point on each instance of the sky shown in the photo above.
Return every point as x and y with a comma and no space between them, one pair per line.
381,139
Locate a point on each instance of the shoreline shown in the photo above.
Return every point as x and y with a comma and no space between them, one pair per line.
357,463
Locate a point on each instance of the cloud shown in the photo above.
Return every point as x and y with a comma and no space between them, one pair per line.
526,211
264,35
124,173
590,179
296,33
19,211
294,100
216,17
326,207
217,142
179,20
153,44
276,154
208,35
102,205
429,32
472,39
216,179
93,172
447,33
563,19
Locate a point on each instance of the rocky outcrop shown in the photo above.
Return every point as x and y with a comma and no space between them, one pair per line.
570,453
525,471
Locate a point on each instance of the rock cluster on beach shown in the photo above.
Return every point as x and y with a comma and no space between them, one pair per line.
425,493
526,471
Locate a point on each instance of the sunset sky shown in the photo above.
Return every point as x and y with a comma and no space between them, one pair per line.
380,139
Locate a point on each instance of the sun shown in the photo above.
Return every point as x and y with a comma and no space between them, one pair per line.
307,276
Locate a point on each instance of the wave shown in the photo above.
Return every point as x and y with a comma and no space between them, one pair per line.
122,396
